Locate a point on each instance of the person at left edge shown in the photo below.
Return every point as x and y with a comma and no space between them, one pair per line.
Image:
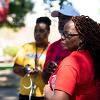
32,55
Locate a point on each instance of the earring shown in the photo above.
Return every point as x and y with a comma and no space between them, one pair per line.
80,45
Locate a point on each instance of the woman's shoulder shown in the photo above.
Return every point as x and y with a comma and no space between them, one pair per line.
76,58
27,45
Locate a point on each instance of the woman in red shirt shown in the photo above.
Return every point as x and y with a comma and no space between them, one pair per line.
75,78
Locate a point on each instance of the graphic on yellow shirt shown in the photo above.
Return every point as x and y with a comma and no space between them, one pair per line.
26,55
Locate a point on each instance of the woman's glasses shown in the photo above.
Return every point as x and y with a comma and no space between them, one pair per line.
69,35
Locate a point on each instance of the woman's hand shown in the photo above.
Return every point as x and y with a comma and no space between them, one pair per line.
48,93
55,95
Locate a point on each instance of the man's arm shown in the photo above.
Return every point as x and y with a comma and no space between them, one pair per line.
46,74
49,70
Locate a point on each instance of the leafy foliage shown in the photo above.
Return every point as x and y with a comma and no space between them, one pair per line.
17,11
11,50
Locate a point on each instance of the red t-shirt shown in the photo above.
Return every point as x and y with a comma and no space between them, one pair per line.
56,53
75,76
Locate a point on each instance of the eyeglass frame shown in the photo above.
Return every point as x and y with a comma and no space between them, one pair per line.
68,35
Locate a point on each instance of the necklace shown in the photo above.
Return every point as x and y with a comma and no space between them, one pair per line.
38,57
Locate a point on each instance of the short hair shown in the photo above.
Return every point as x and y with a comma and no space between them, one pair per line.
45,20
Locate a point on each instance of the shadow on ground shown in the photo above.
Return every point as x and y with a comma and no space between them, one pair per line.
9,85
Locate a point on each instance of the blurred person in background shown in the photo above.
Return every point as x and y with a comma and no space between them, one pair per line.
4,10
30,60
75,78
55,52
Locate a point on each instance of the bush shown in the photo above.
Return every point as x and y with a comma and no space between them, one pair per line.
10,50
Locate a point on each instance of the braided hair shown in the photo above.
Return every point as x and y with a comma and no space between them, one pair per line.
89,32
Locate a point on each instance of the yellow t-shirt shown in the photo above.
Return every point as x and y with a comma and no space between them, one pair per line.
26,55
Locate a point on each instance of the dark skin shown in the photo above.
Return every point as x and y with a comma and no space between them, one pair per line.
58,95
62,19
71,43
41,34
18,69
61,22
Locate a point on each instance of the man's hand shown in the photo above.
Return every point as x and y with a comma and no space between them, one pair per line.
51,67
48,93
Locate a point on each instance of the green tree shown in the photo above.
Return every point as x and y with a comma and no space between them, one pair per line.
17,11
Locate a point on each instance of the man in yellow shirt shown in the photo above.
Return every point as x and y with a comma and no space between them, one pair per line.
30,60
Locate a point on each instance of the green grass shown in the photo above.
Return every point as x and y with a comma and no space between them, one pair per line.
4,66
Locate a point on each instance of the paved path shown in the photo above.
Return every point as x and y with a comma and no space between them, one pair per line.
8,93
8,85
